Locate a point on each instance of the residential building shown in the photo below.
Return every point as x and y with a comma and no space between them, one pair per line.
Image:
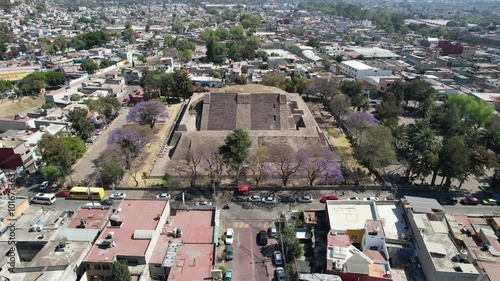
455,48
358,70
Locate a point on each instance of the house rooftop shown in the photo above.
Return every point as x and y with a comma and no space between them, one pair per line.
345,215
393,220
126,236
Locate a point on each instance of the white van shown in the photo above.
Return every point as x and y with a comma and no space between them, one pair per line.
44,198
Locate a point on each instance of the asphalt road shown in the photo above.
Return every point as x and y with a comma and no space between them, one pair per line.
85,168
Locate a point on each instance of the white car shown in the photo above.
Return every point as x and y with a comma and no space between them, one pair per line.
371,199
118,196
305,199
269,200
254,198
44,185
163,196
353,199
229,236
95,204
203,203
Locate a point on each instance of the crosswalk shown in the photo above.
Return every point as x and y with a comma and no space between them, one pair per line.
249,224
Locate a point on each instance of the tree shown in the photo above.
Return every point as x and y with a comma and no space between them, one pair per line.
5,86
128,24
169,40
240,80
320,163
32,84
74,97
285,162
288,240
131,138
3,47
55,79
216,51
476,113
129,34
89,66
105,106
389,110
189,163
454,160
212,161
256,161
54,152
274,79
120,272
111,172
339,105
235,150
375,148
79,122
244,69
313,42
324,88
51,173
147,112
181,84
61,43
148,25
353,89
76,146
358,122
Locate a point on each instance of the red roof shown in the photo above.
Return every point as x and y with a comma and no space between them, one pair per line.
242,188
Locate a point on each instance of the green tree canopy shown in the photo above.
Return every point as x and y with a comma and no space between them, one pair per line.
274,79
120,272
89,66
375,148
5,86
236,149
79,122
51,173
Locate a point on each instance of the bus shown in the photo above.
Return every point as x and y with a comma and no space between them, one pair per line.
82,192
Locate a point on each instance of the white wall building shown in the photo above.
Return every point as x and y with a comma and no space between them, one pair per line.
358,70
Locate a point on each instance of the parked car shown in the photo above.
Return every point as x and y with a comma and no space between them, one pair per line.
99,131
44,185
229,236
117,196
279,274
448,201
262,238
371,199
273,233
62,193
106,202
277,258
229,275
269,200
305,199
489,202
329,197
91,139
469,201
353,198
238,199
95,204
163,196
203,203
254,198
229,252
287,199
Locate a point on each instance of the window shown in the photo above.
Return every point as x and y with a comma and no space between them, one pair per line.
106,267
97,266
354,237
87,266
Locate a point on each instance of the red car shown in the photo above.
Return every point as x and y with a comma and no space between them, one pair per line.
62,193
329,197
470,201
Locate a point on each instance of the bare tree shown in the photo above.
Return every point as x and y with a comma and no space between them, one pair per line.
339,105
286,162
212,161
188,165
319,162
256,162
324,88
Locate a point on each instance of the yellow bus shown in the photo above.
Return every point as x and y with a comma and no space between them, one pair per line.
81,192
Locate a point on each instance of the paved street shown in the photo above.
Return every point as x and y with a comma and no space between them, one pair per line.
85,166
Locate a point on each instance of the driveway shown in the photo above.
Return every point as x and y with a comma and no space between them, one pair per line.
85,166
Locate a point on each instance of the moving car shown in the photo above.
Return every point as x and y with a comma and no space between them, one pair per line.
117,196
229,236
273,233
229,275
287,199
371,199
44,185
254,198
448,201
62,193
163,196
305,199
262,238
203,203
106,202
353,198
229,252
42,198
277,258
238,199
489,202
329,197
279,274
269,200
469,201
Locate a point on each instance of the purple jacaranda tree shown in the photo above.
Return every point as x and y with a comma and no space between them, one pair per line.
131,138
318,163
357,122
147,112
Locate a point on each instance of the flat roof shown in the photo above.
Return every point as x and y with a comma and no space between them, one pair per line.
94,218
374,52
393,220
134,215
345,215
193,262
49,256
36,215
357,65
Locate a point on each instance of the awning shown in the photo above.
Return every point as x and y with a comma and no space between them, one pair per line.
216,234
242,188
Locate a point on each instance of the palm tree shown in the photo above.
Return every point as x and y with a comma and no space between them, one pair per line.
489,138
424,146
149,45
400,139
